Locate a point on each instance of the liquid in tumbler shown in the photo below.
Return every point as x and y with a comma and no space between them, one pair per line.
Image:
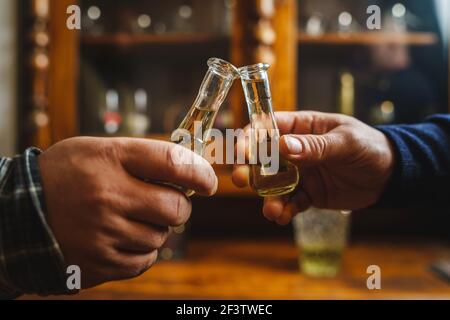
265,182
322,237
212,93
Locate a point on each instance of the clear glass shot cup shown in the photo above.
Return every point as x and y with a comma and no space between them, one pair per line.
322,236
265,181
201,117
196,125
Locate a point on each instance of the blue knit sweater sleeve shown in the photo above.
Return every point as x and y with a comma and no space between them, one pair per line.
422,171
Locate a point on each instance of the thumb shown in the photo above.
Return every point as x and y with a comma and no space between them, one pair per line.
308,149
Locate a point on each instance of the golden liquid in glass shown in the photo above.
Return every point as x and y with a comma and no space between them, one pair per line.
266,183
321,262
199,139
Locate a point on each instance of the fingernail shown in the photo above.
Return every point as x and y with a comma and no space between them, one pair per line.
293,145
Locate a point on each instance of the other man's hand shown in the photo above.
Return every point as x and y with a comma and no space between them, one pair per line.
344,164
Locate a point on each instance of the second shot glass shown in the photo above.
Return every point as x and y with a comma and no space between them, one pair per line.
266,182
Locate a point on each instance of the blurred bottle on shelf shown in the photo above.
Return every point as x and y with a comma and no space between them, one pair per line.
141,23
93,21
112,119
160,27
227,13
346,102
345,22
382,113
396,19
175,246
314,25
138,121
174,114
224,118
183,20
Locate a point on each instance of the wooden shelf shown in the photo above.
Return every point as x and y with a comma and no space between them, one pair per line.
171,39
370,38
174,39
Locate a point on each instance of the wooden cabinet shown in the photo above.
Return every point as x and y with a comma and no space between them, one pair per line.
161,49
261,31
67,91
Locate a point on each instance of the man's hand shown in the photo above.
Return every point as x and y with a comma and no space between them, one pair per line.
344,164
106,219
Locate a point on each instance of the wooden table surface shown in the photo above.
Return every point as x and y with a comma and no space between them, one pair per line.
251,269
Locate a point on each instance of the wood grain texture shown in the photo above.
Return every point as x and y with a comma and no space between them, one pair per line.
175,39
268,270
252,43
37,126
371,38
63,81
284,72
240,56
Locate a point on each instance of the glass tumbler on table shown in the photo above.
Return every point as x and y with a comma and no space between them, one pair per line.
321,236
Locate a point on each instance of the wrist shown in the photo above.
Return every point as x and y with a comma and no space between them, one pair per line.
391,171
389,159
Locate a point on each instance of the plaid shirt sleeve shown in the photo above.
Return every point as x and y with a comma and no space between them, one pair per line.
31,261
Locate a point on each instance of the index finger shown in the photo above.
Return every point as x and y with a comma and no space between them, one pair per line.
167,162
308,122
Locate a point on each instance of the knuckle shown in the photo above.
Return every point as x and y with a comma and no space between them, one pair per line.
132,271
320,146
112,266
352,136
109,148
102,197
352,132
138,268
96,198
119,268
99,196
316,146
